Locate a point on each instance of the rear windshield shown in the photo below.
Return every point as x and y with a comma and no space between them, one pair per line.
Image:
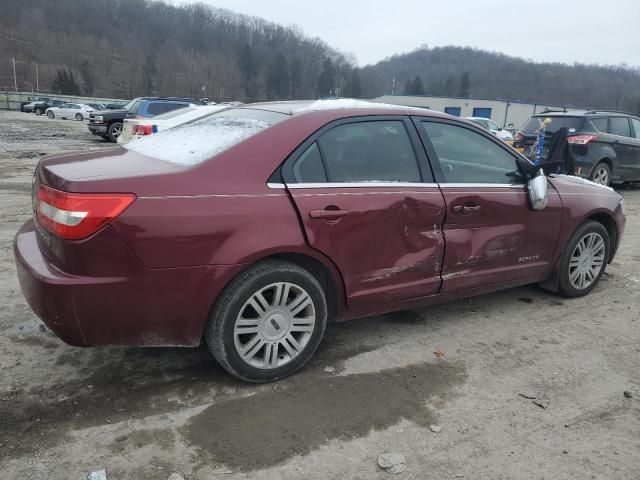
556,124
195,142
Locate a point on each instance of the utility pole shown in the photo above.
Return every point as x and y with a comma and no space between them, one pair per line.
15,81
37,80
393,86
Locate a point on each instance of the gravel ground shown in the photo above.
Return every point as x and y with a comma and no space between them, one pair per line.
523,384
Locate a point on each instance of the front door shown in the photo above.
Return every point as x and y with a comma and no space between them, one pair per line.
368,202
491,233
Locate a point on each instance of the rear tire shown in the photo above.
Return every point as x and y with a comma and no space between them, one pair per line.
601,174
280,335
79,117
114,131
51,115
584,260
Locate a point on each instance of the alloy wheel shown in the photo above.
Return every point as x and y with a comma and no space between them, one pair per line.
601,176
587,261
274,325
116,131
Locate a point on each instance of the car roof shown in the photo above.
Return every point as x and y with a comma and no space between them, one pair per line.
350,107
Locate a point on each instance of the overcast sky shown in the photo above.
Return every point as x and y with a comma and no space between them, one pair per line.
586,31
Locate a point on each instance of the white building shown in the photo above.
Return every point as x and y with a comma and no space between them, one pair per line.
507,114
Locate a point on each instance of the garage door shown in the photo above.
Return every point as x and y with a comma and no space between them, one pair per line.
482,112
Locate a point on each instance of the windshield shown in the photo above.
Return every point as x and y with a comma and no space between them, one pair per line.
556,124
195,142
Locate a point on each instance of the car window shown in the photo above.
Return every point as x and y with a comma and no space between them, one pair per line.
158,108
369,152
134,107
492,125
557,122
309,168
600,124
466,156
636,126
619,126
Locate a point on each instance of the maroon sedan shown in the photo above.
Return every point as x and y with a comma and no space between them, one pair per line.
253,227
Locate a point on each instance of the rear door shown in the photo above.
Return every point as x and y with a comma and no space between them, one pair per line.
491,233
626,165
635,126
368,201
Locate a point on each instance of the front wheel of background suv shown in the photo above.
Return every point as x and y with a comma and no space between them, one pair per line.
584,260
601,174
114,131
38,110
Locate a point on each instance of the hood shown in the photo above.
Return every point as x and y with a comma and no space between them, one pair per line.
569,184
107,112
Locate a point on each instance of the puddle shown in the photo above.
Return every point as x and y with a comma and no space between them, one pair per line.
300,415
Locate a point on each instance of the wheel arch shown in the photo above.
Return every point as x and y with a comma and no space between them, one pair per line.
607,220
607,161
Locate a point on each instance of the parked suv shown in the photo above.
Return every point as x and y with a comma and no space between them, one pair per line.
108,123
606,145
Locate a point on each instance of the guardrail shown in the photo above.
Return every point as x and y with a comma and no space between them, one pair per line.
12,100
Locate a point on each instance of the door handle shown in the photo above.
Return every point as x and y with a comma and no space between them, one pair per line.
462,209
328,214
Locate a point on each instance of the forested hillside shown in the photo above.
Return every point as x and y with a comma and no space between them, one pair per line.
469,72
123,48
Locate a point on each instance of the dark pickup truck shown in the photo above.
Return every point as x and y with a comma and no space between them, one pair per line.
108,123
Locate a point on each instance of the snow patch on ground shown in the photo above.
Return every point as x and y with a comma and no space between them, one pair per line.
583,181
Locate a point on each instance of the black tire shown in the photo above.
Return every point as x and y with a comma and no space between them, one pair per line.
79,117
565,286
51,115
601,170
219,331
114,131
38,111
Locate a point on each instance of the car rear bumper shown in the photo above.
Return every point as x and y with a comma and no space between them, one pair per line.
151,307
97,129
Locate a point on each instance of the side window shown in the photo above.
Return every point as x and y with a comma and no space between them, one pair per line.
600,124
376,151
636,126
619,126
468,157
308,168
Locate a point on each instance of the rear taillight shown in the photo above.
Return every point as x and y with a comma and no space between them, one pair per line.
78,215
518,136
144,129
581,139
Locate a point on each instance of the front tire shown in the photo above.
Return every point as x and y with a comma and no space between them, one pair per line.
51,115
38,111
602,174
114,131
268,322
79,117
584,260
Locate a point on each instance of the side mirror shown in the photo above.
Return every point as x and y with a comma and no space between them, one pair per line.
499,129
538,191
